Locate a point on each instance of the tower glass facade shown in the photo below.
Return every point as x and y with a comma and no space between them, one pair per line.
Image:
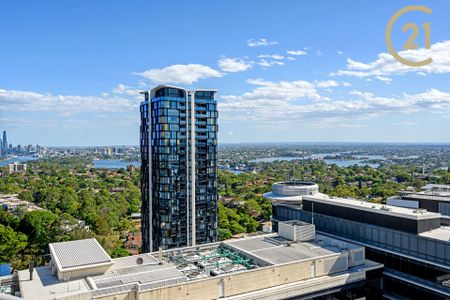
4,144
179,168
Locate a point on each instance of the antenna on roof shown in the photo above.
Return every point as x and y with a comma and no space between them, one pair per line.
160,256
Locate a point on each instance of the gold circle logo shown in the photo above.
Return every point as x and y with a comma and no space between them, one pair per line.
410,42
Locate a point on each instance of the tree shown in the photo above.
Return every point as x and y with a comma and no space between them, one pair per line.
223,218
26,196
252,208
40,226
250,224
11,243
8,219
101,226
68,201
120,252
403,177
224,234
236,227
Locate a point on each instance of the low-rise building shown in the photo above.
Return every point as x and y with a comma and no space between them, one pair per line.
134,242
271,266
17,167
11,203
432,197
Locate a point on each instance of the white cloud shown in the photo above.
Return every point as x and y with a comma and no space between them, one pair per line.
260,42
273,92
387,65
326,83
269,63
273,56
330,83
12,100
299,101
75,122
386,80
345,83
186,74
234,65
123,89
431,100
339,52
296,52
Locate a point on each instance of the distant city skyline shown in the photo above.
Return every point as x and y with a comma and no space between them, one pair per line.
297,72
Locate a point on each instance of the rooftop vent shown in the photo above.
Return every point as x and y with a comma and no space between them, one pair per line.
419,211
297,231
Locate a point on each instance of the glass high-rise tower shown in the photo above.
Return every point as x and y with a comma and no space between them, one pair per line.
179,167
4,144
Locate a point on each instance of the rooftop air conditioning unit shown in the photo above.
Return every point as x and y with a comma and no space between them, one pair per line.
297,231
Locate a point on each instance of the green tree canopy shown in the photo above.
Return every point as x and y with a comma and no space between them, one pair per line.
11,243
40,226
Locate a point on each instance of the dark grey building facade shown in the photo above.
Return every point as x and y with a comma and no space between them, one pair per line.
411,242
433,197
178,136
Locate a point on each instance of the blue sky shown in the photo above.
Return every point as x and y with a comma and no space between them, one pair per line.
286,71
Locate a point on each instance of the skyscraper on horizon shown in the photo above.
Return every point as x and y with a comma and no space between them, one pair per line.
4,144
178,138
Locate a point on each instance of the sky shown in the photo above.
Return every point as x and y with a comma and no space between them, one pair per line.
285,71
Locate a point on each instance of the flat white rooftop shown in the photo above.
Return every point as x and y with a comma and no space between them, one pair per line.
78,254
267,248
293,191
442,233
47,286
377,208
428,195
296,198
436,186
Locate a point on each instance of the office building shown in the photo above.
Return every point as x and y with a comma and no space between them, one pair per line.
178,167
17,167
4,144
432,197
296,262
411,242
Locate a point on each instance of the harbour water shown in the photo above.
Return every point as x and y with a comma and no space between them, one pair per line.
20,159
114,164
338,162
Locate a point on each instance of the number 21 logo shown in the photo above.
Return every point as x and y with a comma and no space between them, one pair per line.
410,42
